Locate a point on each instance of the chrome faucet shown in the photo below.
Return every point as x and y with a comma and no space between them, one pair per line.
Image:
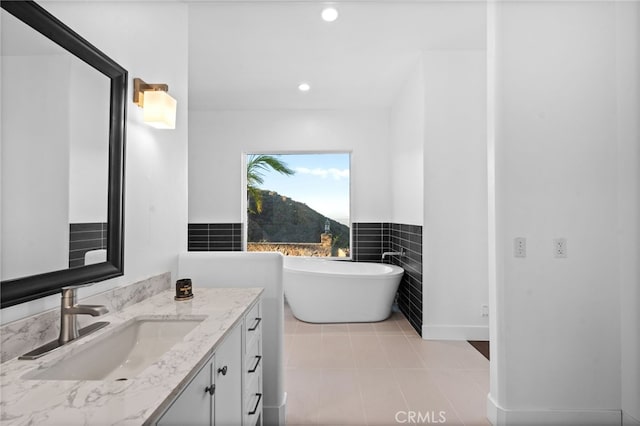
69,312
392,253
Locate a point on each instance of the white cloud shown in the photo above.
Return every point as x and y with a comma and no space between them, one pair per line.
336,174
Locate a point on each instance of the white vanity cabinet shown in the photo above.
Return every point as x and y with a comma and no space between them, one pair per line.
228,380
224,392
195,405
252,377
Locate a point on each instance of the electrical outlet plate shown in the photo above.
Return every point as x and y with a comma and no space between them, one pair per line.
484,311
560,248
520,247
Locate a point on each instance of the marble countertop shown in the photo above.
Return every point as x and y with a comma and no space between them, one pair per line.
135,401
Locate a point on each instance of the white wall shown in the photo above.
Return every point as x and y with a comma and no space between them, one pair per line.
455,196
405,148
218,139
628,109
558,341
35,164
151,43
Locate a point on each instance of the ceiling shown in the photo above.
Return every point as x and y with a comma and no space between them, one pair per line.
253,55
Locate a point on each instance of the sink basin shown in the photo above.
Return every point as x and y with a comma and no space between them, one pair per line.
121,354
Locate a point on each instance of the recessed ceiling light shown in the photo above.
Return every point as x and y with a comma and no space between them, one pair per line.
304,87
329,14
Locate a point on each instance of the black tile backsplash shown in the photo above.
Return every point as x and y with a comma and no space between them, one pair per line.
408,238
84,237
214,237
370,240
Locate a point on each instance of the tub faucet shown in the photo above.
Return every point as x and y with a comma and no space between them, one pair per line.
392,253
69,312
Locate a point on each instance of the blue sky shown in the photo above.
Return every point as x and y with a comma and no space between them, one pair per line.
321,182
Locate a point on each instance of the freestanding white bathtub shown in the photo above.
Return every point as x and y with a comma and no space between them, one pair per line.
328,291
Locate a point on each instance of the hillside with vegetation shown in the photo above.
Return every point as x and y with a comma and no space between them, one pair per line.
285,220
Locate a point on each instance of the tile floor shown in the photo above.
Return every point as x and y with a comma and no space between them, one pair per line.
380,374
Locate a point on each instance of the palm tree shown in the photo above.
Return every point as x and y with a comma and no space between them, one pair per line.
257,165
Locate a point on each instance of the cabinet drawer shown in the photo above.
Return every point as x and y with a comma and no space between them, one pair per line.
253,408
253,353
253,378
253,322
253,367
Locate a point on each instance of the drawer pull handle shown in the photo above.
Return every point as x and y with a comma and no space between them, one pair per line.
223,370
256,324
255,409
210,389
255,367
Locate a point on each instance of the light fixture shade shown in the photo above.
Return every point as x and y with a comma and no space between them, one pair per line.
159,109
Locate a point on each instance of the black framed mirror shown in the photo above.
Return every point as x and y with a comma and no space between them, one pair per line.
23,288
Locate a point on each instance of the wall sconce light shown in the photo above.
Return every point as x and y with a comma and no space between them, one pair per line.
159,107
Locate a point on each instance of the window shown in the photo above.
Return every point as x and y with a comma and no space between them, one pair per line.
298,204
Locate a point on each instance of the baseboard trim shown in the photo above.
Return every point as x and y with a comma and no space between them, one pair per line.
499,416
492,410
455,332
275,415
628,420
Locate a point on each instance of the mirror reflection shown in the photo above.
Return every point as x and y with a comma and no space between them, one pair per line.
55,155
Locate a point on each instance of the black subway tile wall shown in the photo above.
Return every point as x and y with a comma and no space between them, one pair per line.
408,238
370,240
84,237
214,237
